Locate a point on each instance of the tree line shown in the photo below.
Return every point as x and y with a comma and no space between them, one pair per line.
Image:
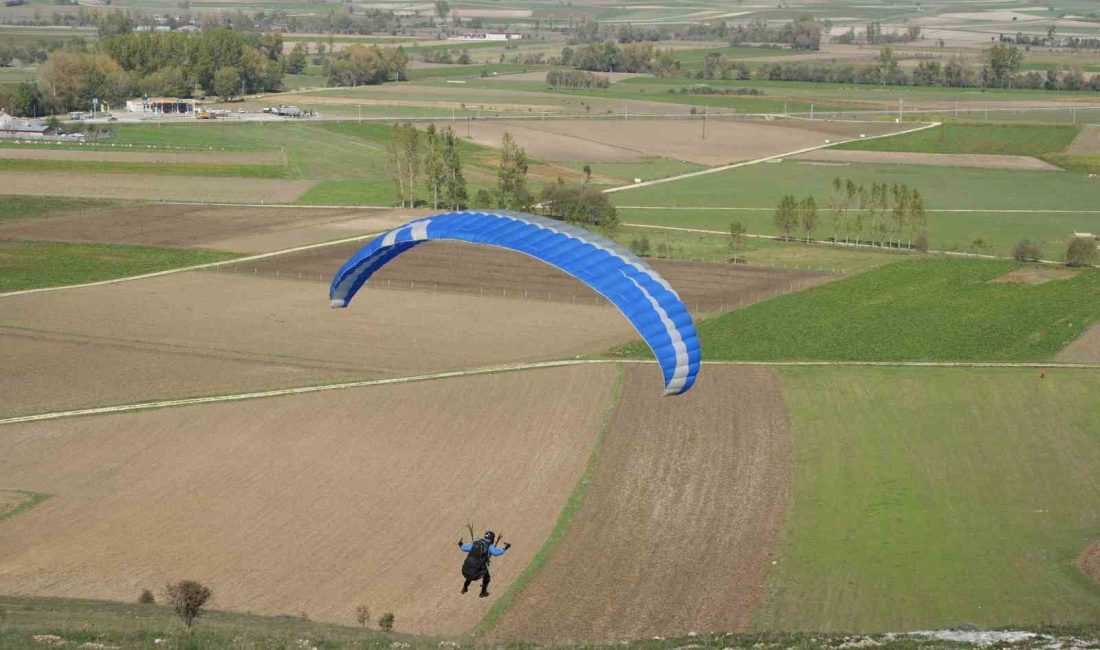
576,79
882,215
431,161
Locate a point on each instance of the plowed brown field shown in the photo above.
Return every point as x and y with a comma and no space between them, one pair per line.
677,531
308,504
237,229
140,187
453,266
201,333
140,155
727,142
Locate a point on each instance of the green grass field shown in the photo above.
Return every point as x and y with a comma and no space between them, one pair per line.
981,190
31,265
1001,139
917,310
760,252
14,208
927,498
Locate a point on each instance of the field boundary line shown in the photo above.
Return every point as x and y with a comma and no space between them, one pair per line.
772,209
746,163
195,267
514,367
300,390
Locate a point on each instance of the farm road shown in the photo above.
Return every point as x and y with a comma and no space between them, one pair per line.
279,392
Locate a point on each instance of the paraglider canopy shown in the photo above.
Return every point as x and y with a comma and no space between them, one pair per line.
643,296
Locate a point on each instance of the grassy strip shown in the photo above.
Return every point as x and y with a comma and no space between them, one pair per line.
919,310
34,264
133,626
565,519
962,138
217,170
715,247
1088,163
32,500
13,208
926,498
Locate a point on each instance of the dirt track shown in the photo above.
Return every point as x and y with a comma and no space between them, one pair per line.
138,187
978,161
615,140
243,229
451,266
308,504
202,333
1083,349
678,528
138,155
1087,141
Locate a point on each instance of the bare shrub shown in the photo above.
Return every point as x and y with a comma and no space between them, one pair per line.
1027,251
187,597
362,615
146,597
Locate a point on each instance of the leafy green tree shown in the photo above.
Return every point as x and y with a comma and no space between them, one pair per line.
917,219
786,216
579,204
227,83
454,187
170,81
296,60
435,164
1002,61
807,214
442,9
386,622
802,33
512,193
737,236
1081,251
403,161
114,23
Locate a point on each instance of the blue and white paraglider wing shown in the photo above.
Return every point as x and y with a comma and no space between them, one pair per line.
643,296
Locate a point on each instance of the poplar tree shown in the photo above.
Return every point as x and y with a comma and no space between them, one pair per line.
454,187
512,193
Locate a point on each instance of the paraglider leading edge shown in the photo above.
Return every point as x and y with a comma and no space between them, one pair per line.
639,292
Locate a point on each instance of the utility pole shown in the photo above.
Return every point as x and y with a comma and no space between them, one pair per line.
900,103
706,111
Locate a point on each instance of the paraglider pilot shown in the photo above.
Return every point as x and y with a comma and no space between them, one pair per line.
478,555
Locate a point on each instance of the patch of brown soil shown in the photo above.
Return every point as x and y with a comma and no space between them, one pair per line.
678,528
459,267
1035,275
979,161
1083,349
145,156
1089,561
311,503
202,333
622,140
1087,141
238,229
164,188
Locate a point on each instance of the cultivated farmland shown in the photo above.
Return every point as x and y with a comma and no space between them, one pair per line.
307,504
205,332
677,531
